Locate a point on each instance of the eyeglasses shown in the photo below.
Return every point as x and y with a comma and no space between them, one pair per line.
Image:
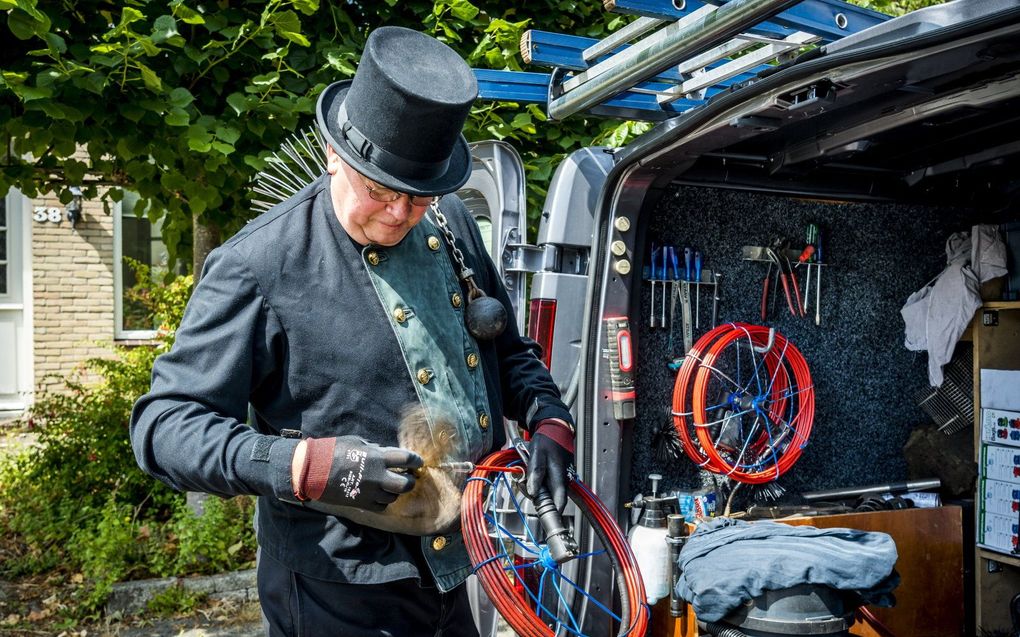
387,195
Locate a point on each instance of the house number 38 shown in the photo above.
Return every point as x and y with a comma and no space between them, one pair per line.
42,215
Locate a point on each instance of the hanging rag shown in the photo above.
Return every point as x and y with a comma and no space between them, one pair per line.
727,562
937,315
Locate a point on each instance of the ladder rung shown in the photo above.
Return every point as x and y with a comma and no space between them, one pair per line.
737,66
635,52
565,51
622,36
821,17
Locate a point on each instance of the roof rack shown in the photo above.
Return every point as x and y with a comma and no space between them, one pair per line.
676,55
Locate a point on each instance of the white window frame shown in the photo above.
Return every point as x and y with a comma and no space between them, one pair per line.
19,291
119,333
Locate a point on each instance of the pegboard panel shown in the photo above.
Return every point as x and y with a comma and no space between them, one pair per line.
864,376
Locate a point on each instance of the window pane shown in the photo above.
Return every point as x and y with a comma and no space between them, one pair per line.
3,245
140,241
3,212
136,246
3,278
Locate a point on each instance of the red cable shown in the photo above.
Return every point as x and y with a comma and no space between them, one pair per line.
790,388
514,605
864,614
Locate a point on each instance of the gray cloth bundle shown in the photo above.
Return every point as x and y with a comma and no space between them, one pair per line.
727,562
937,314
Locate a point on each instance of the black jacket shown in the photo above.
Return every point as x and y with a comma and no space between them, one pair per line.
285,318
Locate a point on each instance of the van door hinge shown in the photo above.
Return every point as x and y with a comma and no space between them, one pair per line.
519,256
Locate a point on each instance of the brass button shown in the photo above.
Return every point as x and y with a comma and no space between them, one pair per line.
439,543
400,315
472,360
424,376
455,300
373,257
483,421
433,243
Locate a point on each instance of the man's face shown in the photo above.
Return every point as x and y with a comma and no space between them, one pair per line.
365,219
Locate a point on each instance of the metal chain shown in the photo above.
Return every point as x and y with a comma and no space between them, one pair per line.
466,274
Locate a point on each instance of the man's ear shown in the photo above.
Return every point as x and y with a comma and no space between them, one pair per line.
334,163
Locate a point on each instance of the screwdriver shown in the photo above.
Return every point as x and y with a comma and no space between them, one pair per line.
697,290
672,296
805,257
818,276
651,277
811,240
665,266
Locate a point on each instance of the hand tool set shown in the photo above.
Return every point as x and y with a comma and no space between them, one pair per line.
783,261
675,280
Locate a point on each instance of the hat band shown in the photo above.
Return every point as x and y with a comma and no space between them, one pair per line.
383,159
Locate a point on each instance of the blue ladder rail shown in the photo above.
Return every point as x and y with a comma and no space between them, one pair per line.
820,17
828,20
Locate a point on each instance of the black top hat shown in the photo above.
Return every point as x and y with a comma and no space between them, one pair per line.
399,121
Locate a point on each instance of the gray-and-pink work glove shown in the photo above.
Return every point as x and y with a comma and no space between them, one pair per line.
347,471
551,452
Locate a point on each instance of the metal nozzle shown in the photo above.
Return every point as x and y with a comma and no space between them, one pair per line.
458,467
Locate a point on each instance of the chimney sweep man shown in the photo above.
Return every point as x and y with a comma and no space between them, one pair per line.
331,315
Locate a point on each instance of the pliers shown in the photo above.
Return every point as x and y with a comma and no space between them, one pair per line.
777,255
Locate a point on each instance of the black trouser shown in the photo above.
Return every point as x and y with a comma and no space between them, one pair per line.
294,605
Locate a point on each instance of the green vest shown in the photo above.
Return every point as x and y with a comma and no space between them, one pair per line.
419,289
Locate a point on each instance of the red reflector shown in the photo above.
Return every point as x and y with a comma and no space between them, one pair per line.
541,319
623,342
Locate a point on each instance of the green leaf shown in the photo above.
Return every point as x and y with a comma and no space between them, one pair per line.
131,111
177,117
164,28
181,97
199,139
223,148
13,78
55,43
463,9
307,7
150,78
341,61
187,15
148,46
130,15
266,79
288,25
28,93
22,26
238,102
228,134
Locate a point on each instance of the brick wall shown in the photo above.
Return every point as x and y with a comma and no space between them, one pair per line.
72,291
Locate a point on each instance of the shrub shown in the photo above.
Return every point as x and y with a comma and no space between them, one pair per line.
78,502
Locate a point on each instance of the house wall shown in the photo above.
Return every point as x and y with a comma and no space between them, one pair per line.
72,290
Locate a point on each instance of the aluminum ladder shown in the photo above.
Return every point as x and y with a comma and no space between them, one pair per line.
675,56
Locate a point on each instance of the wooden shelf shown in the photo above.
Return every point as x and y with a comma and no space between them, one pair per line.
995,347
1000,305
1002,558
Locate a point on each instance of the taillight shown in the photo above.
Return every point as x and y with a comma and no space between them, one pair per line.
541,320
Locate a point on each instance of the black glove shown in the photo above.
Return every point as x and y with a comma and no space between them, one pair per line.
348,471
551,451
